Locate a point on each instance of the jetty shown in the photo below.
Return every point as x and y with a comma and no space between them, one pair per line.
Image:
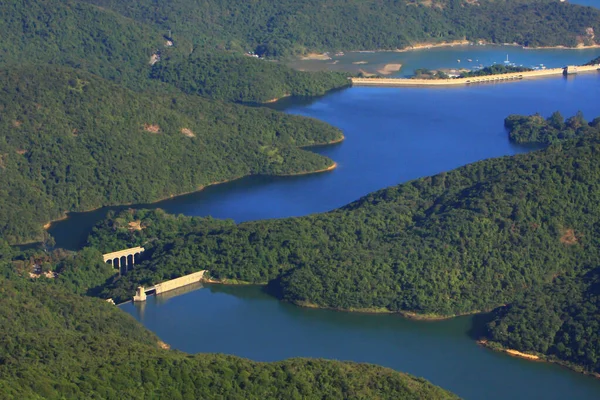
142,292
513,76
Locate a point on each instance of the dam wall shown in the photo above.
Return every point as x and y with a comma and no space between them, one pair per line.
178,282
475,79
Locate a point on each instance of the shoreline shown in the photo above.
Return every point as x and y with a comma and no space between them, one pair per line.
426,46
276,99
493,346
334,141
374,310
330,168
48,224
497,347
437,45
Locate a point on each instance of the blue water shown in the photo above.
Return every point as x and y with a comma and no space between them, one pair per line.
457,57
591,3
245,322
392,135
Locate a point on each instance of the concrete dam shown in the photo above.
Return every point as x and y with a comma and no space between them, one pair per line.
142,293
570,70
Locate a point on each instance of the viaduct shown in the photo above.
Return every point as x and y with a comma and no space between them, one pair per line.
123,259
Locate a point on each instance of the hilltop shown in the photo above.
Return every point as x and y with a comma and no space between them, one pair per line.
280,28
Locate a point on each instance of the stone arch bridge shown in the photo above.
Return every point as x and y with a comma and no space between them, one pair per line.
123,259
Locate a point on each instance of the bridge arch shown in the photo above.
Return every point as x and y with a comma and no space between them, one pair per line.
125,259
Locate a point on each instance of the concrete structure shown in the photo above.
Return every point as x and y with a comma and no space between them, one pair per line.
168,285
140,294
123,259
477,79
571,69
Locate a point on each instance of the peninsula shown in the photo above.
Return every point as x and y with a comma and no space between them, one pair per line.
414,248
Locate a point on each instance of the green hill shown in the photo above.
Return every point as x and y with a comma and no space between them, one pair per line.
559,322
72,141
278,28
83,36
535,129
59,345
459,242
237,78
78,35
519,231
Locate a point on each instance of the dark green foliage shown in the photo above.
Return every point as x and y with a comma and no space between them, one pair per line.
276,28
75,34
495,69
72,141
560,320
424,73
594,61
454,243
60,345
243,79
537,130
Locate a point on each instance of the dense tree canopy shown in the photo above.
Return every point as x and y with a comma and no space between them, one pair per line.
276,28
535,129
59,345
72,141
457,242
520,230
243,79
79,35
560,320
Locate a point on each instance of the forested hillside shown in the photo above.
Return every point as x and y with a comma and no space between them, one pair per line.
519,230
278,28
559,321
79,35
535,129
72,141
235,78
60,345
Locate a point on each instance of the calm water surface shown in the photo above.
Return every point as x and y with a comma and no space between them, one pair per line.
457,57
392,135
591,3
245,322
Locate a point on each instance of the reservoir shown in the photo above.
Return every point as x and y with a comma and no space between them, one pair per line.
248,323
392,135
